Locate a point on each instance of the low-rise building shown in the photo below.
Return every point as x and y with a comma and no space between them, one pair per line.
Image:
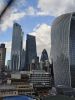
41,81
8,90
13,90
40,78
26,89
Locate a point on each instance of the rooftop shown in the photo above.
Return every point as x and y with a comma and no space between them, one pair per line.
58,97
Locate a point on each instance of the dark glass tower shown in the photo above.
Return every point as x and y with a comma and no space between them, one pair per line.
44,55
17,41
31,52
44,61
63,50
2,56
22,60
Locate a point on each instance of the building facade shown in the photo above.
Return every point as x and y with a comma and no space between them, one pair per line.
44,55
22,60
17,41
2,56
31,52
40,78
8,90
44,61
8,65
15,90
63,50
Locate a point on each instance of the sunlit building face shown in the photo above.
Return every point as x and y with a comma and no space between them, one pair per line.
63,50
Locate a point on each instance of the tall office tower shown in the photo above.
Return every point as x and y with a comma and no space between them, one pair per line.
17,41
63,49
31,52
22,60
37,63
44,55
9,65
2,56
44,61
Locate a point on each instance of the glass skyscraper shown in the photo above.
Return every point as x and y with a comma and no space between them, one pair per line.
44,55
22,60
2,57
63,49
16,50
31,53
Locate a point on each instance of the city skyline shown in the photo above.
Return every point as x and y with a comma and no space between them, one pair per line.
37,49
35,19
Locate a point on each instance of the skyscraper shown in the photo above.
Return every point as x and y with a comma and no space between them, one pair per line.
44,61
2,56
17,41
22,60
44,55
63,49
31,52
8,65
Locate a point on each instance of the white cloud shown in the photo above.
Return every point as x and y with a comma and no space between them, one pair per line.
9,21
44,7
30,11
42,33
56,7
12,14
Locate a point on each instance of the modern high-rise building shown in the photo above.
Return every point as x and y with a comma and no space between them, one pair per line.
22,60
2,56
31,52
63,49
8,65
44,61
16,50
44,55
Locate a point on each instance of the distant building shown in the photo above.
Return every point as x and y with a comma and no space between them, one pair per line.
21,83
31,52
16,50
22,67
44,61
52,74
63,50
2,56
8,90
40,78
33,65
9,65
44,55
37,63
41,81
16,89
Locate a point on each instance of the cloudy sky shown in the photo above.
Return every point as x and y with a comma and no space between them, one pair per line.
35,17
